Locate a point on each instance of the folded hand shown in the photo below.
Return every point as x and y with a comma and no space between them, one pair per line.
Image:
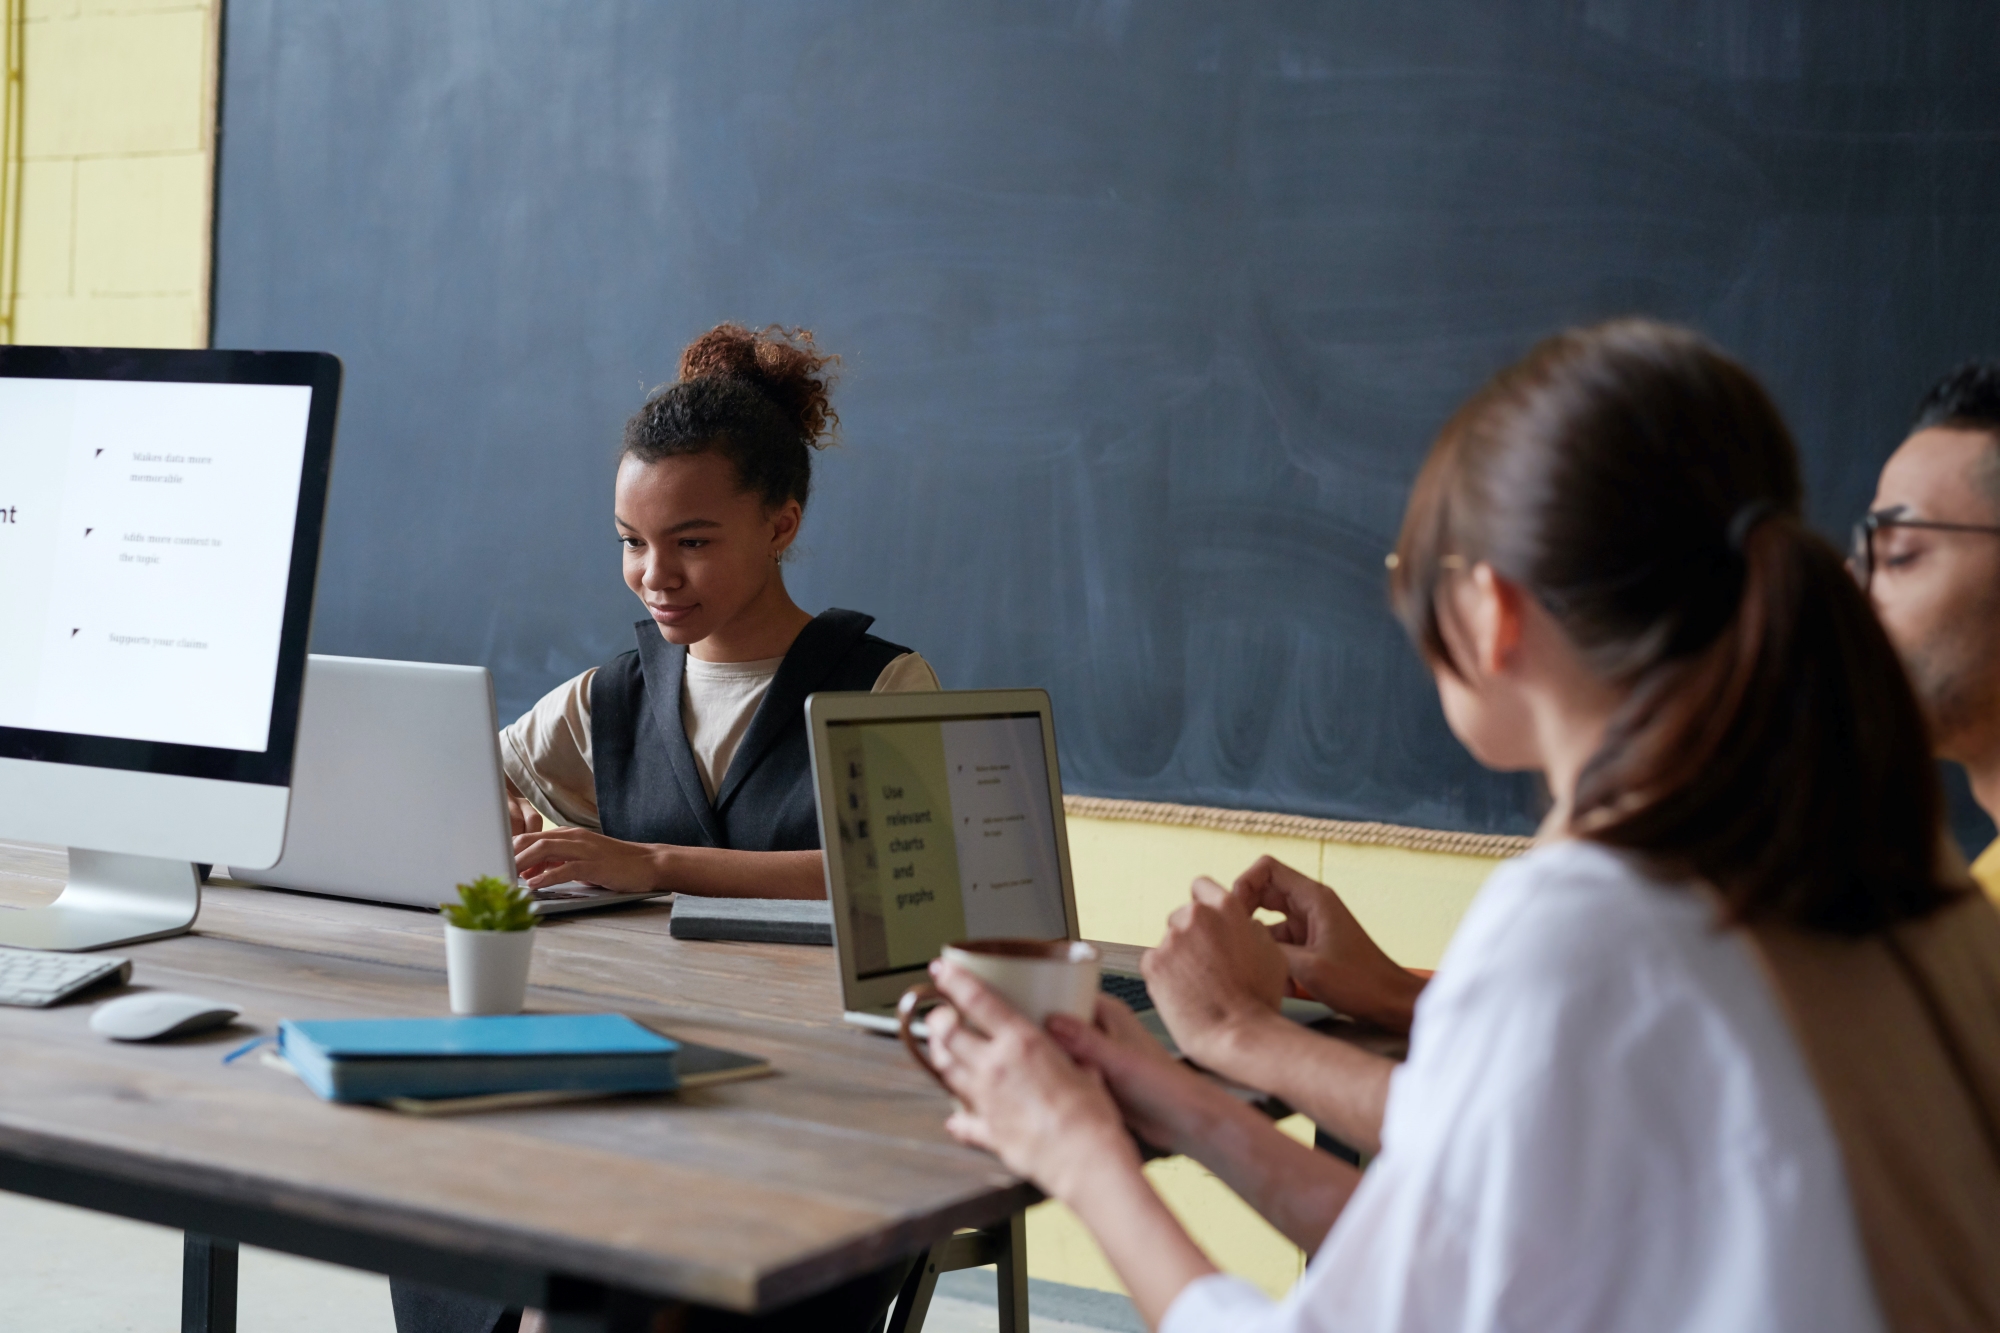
1216,972
1326,952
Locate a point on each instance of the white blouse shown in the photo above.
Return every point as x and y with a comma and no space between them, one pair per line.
1604,1124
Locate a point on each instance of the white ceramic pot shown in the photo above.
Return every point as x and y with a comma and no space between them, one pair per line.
488,969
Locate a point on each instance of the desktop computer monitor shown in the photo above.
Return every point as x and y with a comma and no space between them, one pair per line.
160,517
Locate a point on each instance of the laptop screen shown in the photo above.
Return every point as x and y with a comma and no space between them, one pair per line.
948,832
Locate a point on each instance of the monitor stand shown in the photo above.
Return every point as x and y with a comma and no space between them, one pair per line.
110,899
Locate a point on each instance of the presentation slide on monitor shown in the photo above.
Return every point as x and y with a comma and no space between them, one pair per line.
146,535
947,833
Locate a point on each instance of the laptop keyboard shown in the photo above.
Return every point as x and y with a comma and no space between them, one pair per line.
1130,989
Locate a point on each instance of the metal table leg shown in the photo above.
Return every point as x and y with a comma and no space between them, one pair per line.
913,1302
1004,1245
208,1284
1012,1263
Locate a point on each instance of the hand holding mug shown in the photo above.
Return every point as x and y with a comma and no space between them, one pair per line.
1019,1095
1164,1102
1037,977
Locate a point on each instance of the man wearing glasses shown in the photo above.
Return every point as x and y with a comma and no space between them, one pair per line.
1929,555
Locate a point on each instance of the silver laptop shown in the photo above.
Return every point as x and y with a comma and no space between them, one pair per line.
941,815
397,792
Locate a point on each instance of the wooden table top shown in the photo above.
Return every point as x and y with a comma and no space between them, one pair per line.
745,1196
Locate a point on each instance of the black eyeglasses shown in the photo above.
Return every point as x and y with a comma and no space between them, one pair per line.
1861,555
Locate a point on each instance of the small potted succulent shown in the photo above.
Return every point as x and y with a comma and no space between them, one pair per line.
487,938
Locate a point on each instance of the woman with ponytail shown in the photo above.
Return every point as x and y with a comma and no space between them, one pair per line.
1721,1052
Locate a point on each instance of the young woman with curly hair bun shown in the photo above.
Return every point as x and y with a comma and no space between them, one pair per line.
681,764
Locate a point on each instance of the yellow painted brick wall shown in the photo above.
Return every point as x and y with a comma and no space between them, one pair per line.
117,165
1130,875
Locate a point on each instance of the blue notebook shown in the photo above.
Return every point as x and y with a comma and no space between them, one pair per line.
374,1059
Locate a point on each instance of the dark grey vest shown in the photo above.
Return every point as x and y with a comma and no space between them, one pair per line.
648,788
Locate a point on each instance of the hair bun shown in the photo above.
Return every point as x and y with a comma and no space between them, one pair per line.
782,363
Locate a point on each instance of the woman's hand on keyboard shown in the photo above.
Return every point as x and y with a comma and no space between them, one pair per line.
522,817
559,855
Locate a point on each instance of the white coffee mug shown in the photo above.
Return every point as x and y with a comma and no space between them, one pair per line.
1037,977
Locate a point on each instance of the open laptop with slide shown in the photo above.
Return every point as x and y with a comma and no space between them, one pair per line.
941,815
397,790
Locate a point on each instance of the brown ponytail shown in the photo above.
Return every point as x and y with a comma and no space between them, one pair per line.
1643,487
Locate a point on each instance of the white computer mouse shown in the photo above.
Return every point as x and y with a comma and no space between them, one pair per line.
162,1013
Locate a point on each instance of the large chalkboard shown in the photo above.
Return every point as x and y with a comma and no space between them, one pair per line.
1149,311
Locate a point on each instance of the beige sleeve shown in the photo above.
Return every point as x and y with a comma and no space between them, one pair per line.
908,674
546,754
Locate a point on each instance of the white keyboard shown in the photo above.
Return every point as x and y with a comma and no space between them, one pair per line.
33,978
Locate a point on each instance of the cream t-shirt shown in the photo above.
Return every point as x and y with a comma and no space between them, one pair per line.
546,752
718,699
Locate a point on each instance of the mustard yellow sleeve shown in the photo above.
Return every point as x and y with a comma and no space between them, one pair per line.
546,755
1986,871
